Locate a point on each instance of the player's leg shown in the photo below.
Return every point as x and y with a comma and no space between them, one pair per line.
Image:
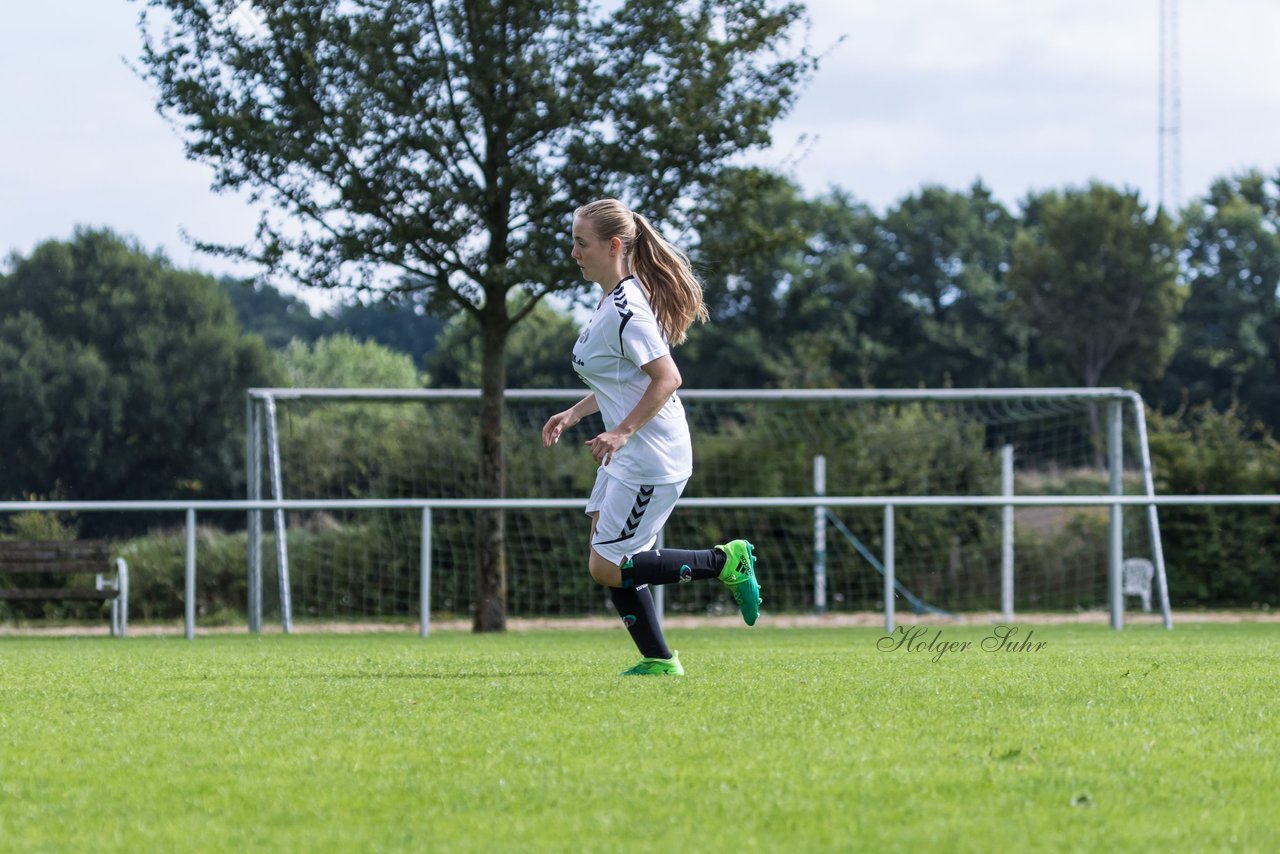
640,616
634,514
672,566
638,613
630,517
734,563
635,605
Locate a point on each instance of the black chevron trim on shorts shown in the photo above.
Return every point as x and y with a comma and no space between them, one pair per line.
643,497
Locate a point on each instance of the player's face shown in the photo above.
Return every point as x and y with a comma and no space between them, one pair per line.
592,255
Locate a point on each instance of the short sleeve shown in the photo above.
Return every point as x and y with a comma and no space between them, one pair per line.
642,340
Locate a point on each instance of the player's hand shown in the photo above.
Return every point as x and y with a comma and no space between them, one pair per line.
606,446
556,425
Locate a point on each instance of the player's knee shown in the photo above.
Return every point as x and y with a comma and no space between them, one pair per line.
598,574
603,571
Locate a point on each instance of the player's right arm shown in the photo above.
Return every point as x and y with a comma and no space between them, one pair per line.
562,421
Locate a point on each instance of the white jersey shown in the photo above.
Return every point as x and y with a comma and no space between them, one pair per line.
623,335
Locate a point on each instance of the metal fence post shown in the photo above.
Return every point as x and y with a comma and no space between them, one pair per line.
189,609
888,570
424,572
1006,535
253,485
1115,552
820,537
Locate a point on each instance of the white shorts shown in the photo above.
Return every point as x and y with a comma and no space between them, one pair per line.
631,515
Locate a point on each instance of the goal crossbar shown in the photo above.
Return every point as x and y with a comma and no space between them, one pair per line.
851,394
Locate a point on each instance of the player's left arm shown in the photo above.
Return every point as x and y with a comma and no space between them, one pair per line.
664,379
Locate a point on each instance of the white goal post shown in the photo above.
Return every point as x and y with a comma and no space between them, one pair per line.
964,445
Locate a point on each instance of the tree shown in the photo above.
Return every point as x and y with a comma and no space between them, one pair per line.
342,361
323,435
121,377
446,143
823,293
786,286
939,259
536,353
1229,348
401,323
278,317
1095,282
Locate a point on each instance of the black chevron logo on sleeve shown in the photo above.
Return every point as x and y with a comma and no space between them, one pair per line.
624,313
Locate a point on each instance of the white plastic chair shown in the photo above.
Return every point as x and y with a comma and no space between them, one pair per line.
1136,575
120,604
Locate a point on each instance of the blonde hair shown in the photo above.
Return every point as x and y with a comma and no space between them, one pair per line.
674,291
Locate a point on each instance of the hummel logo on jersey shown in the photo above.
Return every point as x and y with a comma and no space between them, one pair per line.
625,313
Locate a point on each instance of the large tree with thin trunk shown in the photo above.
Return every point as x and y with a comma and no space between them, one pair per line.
1094,278
441,146
1229,350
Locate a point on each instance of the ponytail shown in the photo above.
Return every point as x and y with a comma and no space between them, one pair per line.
674,291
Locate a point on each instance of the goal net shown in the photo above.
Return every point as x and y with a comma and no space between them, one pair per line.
363,564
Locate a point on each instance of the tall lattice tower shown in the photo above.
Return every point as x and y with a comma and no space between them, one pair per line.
1169,159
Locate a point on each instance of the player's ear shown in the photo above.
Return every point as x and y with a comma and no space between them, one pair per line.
615,246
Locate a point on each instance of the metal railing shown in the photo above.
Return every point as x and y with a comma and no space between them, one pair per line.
889,504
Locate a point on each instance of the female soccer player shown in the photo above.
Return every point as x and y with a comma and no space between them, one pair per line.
650,299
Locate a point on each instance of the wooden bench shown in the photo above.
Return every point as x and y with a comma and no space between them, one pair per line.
76,557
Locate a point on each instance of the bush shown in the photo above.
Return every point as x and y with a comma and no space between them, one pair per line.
1218,555
121,378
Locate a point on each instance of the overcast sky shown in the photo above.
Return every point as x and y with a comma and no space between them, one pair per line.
1023,94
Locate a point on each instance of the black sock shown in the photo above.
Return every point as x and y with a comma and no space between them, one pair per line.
669,566
635,607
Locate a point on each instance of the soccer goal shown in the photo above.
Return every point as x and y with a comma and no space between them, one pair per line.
960,553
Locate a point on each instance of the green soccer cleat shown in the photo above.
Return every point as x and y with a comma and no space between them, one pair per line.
739,574
657,666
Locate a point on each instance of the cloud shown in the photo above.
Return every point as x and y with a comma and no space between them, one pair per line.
1028,95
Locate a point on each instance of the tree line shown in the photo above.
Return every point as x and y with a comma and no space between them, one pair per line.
124,377
1076,287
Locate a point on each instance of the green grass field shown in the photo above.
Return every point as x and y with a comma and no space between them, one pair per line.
778,739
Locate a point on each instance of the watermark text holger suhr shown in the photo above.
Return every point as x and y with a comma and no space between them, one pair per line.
920,640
